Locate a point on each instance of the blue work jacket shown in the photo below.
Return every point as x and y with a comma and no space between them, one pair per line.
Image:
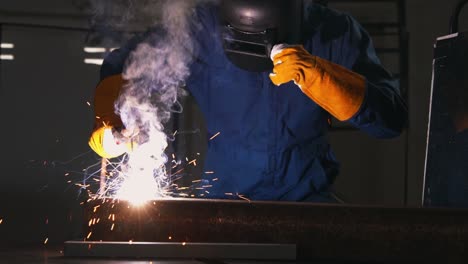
272,143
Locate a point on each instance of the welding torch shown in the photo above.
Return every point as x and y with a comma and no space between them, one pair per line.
117,141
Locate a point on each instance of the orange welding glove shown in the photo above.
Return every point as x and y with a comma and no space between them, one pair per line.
336,89
103,140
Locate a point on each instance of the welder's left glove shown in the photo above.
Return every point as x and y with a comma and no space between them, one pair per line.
109,138
338,90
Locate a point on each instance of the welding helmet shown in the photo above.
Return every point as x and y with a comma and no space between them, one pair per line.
250,29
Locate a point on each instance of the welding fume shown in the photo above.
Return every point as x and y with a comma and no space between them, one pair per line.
267,75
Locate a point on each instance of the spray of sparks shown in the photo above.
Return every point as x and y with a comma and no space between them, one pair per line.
155,74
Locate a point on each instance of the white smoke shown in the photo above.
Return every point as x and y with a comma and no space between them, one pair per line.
155,73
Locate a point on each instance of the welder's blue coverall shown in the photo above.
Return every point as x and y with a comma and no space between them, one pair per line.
272,144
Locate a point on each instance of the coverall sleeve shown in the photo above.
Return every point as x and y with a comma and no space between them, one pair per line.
111,82
383,113
108,89
105,95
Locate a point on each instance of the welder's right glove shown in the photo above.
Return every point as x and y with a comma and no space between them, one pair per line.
336,89
104,139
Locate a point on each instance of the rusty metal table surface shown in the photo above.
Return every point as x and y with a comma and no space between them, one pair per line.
320,231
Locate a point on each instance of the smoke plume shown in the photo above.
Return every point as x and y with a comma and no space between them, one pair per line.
155,73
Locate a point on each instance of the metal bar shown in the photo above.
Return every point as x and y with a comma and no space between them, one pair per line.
56,27
404,73
46,26
170,250
319,231
103,177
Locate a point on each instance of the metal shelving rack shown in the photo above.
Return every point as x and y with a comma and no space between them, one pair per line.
390,29
394,29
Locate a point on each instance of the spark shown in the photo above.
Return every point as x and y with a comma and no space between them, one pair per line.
229,194
215,179
194,181
66,174
207,186
215,135
46,240
184,243
179,171
112,227
88,103
244,198
194,162
170,238
89,235
209,172
1,221
83,186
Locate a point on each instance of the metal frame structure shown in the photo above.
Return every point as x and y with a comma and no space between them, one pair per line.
397,28
442,47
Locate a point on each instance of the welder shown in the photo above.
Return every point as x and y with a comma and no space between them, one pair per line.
269,75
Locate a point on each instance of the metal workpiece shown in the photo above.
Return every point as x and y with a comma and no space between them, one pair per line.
177,250
319,231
